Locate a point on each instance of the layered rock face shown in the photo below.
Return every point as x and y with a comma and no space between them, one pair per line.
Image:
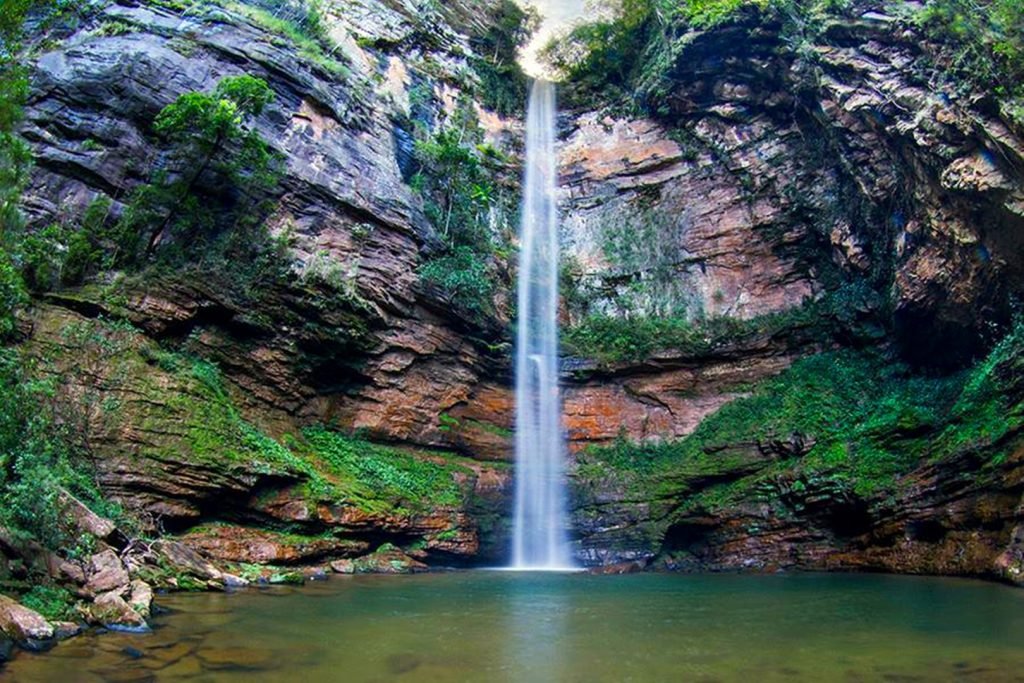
764,182
767,179
353,339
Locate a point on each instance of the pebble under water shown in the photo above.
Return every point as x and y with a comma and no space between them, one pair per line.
505,626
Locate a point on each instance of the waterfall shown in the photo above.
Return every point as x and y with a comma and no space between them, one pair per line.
540,539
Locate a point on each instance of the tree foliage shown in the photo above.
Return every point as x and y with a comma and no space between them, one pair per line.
502,81
984,39
211,132
40,456
456,180
209,207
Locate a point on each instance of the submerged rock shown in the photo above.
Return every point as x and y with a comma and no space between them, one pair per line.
618,568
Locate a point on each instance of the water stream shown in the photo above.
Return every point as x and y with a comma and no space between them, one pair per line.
540,540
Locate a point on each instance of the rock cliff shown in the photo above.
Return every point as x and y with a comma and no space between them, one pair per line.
839,202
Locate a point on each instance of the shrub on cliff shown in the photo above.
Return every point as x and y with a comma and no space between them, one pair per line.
40,456
502,81
212,132
461,200
984,40
211,209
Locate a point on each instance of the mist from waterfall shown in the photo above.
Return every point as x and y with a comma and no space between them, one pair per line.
540,538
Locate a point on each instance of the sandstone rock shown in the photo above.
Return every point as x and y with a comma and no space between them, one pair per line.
186,559
387,559
254,546
25,627
140,598
62,630
343,566
618,568
232,581
86,521
110,610
106,573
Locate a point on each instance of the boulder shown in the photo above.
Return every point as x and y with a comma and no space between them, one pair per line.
140,597
111,610
62,630
618,568
232,581
387,559
343,567
187,560
25,627
85,521
106,573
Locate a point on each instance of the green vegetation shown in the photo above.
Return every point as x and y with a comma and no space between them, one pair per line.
617,339
42,454
14,159
983,40
855,419
376,473
502,81
211,140
302,24
53,602
209,132
457,181
635,44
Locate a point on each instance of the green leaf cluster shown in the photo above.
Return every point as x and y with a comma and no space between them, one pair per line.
398,478
41,455
984,40
503,85
456,180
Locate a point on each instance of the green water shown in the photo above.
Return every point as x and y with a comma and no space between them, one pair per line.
498,626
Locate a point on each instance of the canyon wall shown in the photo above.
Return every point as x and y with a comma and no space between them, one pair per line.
759,183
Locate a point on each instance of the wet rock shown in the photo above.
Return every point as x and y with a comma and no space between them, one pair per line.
25,627
235,658
618,568
232,581
403,663
132,652
6,648
62,630
316,574
84,520
343,567
141,598
186,559
387,559
111,611
254,546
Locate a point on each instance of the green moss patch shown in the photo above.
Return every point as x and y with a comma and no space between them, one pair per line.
856,420
383,476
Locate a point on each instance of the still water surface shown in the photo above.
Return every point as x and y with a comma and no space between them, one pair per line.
535,627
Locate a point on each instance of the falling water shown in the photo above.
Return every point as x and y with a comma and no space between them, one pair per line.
539,540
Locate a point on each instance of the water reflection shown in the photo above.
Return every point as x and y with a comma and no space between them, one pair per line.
537,609
555,628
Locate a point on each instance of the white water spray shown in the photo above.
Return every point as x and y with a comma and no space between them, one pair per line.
540,539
